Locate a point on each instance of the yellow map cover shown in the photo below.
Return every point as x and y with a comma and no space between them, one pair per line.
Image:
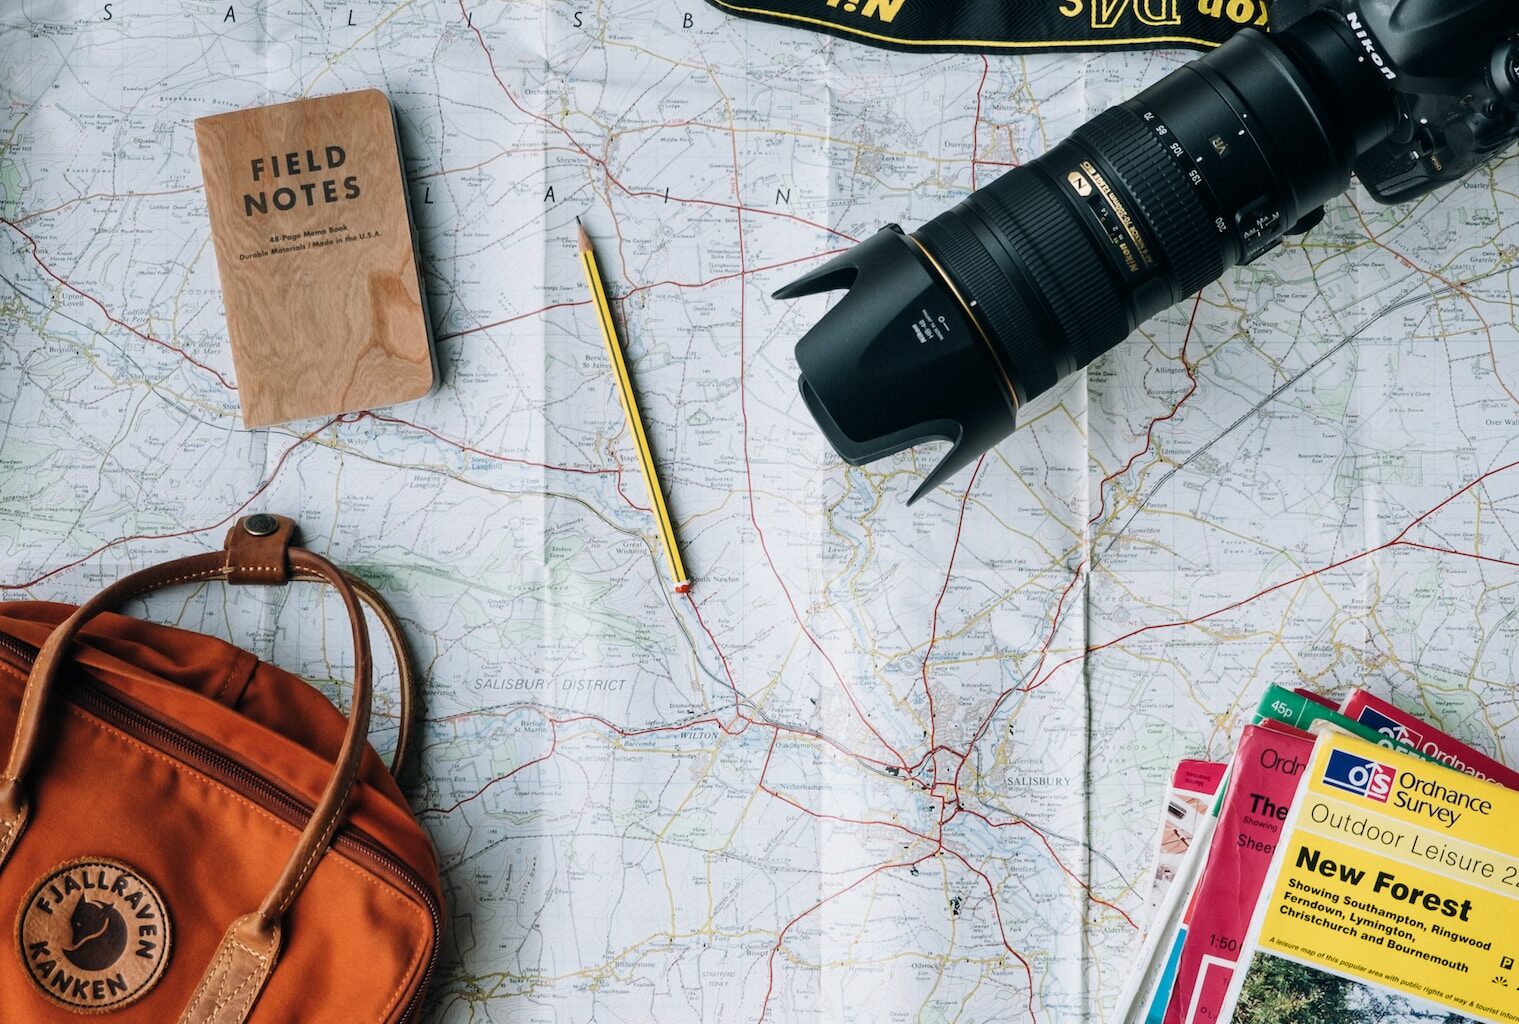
1393,897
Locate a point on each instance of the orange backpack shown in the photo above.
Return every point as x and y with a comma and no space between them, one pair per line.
175,841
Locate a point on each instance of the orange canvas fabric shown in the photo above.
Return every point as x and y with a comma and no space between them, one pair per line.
201,786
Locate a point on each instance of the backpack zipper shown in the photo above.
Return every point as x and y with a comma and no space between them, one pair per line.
104,703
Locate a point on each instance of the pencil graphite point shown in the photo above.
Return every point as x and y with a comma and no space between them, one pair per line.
585,239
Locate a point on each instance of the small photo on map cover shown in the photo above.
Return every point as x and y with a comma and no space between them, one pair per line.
1282,991
1194,784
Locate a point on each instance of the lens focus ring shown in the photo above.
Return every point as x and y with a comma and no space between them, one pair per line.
1186,235
1047,240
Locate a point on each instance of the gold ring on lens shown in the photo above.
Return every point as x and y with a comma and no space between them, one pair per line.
971,317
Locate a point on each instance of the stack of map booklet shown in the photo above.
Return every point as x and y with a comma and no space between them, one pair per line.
1357,865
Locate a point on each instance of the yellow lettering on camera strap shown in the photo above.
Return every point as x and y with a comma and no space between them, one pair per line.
1022,26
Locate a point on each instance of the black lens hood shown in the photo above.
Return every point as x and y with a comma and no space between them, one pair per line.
900,360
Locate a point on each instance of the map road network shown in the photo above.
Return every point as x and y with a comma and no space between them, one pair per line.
882,763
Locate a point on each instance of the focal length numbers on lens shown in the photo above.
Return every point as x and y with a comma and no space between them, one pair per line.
1188,166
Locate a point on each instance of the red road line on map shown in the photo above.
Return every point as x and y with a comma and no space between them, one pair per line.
1480,480
1397,541
179,533
828,742
471,449
939,847
1043,654
765,769
1201,618
1458,287
103,195
1461,554
1049,641
553,746
554,724
581,717
598,161
617,483
933,628
680,727
743,405
511,319
975,128
727,669
649,194
991,893
1020,823
780,938
824,815
1102,497
728,277
648,730
187,357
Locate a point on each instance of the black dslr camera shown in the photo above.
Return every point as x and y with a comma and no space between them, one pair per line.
947,330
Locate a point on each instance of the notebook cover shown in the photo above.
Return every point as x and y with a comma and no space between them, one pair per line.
317,257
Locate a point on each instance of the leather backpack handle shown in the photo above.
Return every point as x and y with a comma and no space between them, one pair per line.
406,717
258,551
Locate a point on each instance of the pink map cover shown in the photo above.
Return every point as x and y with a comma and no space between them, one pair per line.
1260,790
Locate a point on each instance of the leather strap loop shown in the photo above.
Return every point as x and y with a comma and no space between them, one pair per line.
258,550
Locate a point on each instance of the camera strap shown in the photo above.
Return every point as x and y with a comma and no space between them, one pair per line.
1018,26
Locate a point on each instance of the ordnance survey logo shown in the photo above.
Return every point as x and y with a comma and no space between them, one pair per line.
1389,728
94,935
1357,775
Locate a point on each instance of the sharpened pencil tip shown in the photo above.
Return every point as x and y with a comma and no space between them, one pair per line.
585,239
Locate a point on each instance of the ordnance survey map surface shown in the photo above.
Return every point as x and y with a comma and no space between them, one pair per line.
882,764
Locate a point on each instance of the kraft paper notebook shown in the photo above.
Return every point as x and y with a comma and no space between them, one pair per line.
317,257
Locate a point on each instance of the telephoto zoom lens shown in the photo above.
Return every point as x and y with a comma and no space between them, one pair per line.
947,331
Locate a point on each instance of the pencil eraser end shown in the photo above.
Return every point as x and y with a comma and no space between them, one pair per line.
683,587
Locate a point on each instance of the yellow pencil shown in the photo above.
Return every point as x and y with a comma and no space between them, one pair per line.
630,408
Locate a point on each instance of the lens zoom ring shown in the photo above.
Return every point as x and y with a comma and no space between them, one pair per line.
1188,242
1057,254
